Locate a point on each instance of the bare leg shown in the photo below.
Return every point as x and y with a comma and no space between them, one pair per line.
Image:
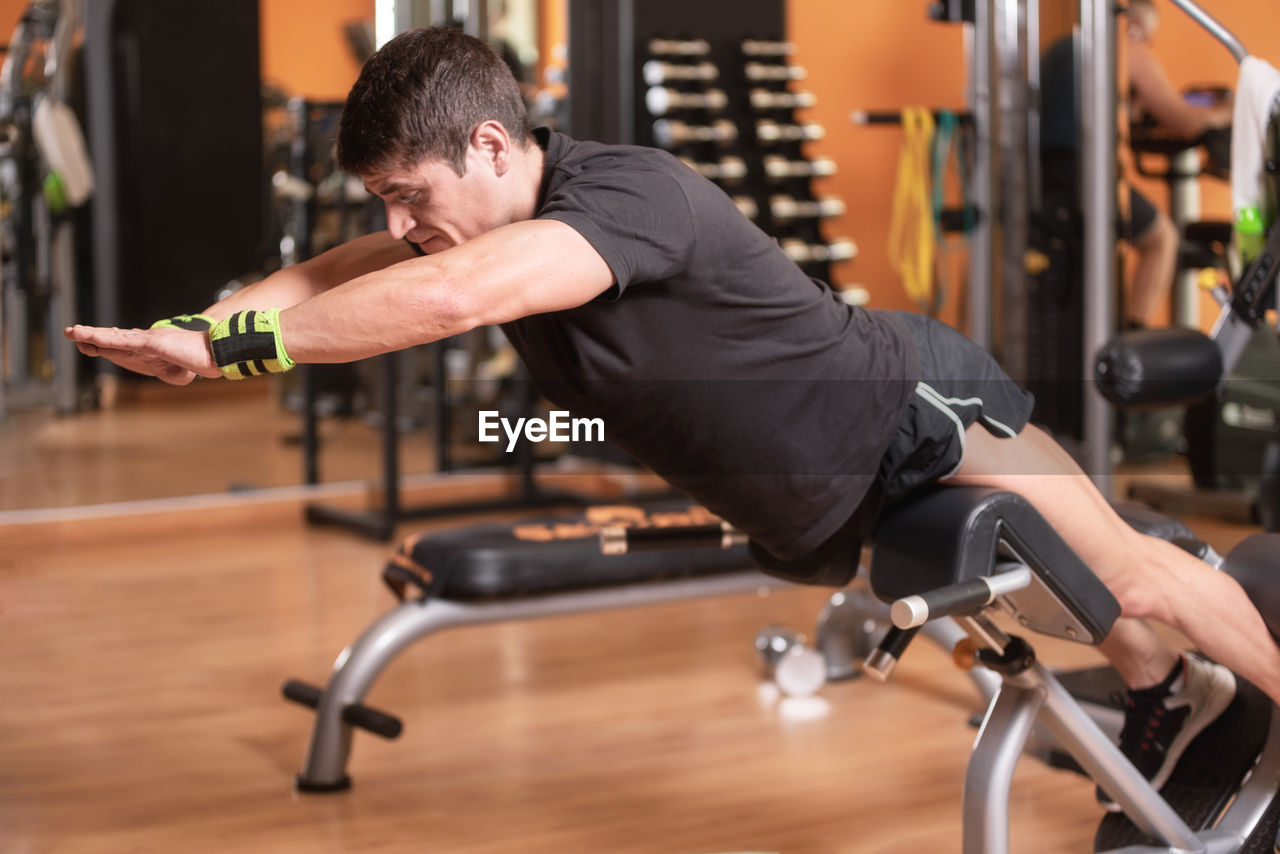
1148,576
1157,249
1138,654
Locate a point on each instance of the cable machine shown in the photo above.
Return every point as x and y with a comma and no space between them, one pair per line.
44,177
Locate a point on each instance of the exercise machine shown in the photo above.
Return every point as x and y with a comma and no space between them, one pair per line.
954,557
942,559
45,178
1234,419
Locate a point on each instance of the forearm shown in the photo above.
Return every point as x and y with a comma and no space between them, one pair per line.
1159,98
285,287
521,269
1192,122
301,282
401,306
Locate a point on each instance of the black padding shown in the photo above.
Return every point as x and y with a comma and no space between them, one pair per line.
832,564
1255,563
951,534
1153,523
1208,231
1148,367
552,554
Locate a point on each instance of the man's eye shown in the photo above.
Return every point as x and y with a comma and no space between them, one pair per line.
408,199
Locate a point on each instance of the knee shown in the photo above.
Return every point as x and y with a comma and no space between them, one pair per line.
1169,235
1161,237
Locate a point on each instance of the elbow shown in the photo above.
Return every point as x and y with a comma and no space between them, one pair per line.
442,310
1188,126
470,305
433,300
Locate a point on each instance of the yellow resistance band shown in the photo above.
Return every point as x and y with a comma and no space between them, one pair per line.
912,240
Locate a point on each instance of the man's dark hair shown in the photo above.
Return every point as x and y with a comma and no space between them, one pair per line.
421,96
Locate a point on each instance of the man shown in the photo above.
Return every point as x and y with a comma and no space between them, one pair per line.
636,293
1150,231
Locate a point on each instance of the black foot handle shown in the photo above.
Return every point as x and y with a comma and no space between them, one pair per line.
356,714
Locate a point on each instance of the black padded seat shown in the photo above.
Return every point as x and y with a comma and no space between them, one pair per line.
1255,563
552,554
952,534
1148,520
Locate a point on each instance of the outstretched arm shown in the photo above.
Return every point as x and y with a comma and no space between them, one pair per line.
514,271
1158,96
302,281
525,268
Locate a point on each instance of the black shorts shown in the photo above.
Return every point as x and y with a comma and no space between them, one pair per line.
1060,175
959,384
1142,215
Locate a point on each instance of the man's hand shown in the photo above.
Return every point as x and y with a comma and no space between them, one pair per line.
176,356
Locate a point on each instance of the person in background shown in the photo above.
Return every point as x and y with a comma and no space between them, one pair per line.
1149,230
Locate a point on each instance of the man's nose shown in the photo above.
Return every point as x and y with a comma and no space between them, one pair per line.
399,222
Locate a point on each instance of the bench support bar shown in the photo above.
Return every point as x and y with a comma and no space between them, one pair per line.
324,768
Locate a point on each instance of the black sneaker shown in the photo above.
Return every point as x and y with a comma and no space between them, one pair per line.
1208,776
1158,729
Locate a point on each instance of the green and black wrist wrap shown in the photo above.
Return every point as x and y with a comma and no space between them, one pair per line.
248,343
190,322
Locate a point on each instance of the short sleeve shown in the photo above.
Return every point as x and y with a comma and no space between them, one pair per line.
638,220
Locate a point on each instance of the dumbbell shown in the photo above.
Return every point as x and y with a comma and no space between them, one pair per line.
776,166
759,71
795,668
786,207
765,99
841,249
669,133
757,47
726,169
679,47
656,72
771,131
660,100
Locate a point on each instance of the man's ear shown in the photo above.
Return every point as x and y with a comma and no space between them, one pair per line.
492,143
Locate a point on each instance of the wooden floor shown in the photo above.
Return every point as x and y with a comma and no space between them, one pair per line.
142,654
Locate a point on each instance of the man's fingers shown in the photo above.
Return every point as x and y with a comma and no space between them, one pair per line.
174,355
132,360
111,338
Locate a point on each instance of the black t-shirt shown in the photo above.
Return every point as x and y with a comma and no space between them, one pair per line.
714,360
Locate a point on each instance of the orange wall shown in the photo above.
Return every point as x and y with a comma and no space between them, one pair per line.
885,55
304,50
871,56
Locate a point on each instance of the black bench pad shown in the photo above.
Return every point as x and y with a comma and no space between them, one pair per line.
552,554
952,534
1153,523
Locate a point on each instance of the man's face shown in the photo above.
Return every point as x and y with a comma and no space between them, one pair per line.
435,207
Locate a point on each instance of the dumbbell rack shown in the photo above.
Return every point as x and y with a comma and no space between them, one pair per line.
713,83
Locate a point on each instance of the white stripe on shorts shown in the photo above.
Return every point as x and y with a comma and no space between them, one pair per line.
944,404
